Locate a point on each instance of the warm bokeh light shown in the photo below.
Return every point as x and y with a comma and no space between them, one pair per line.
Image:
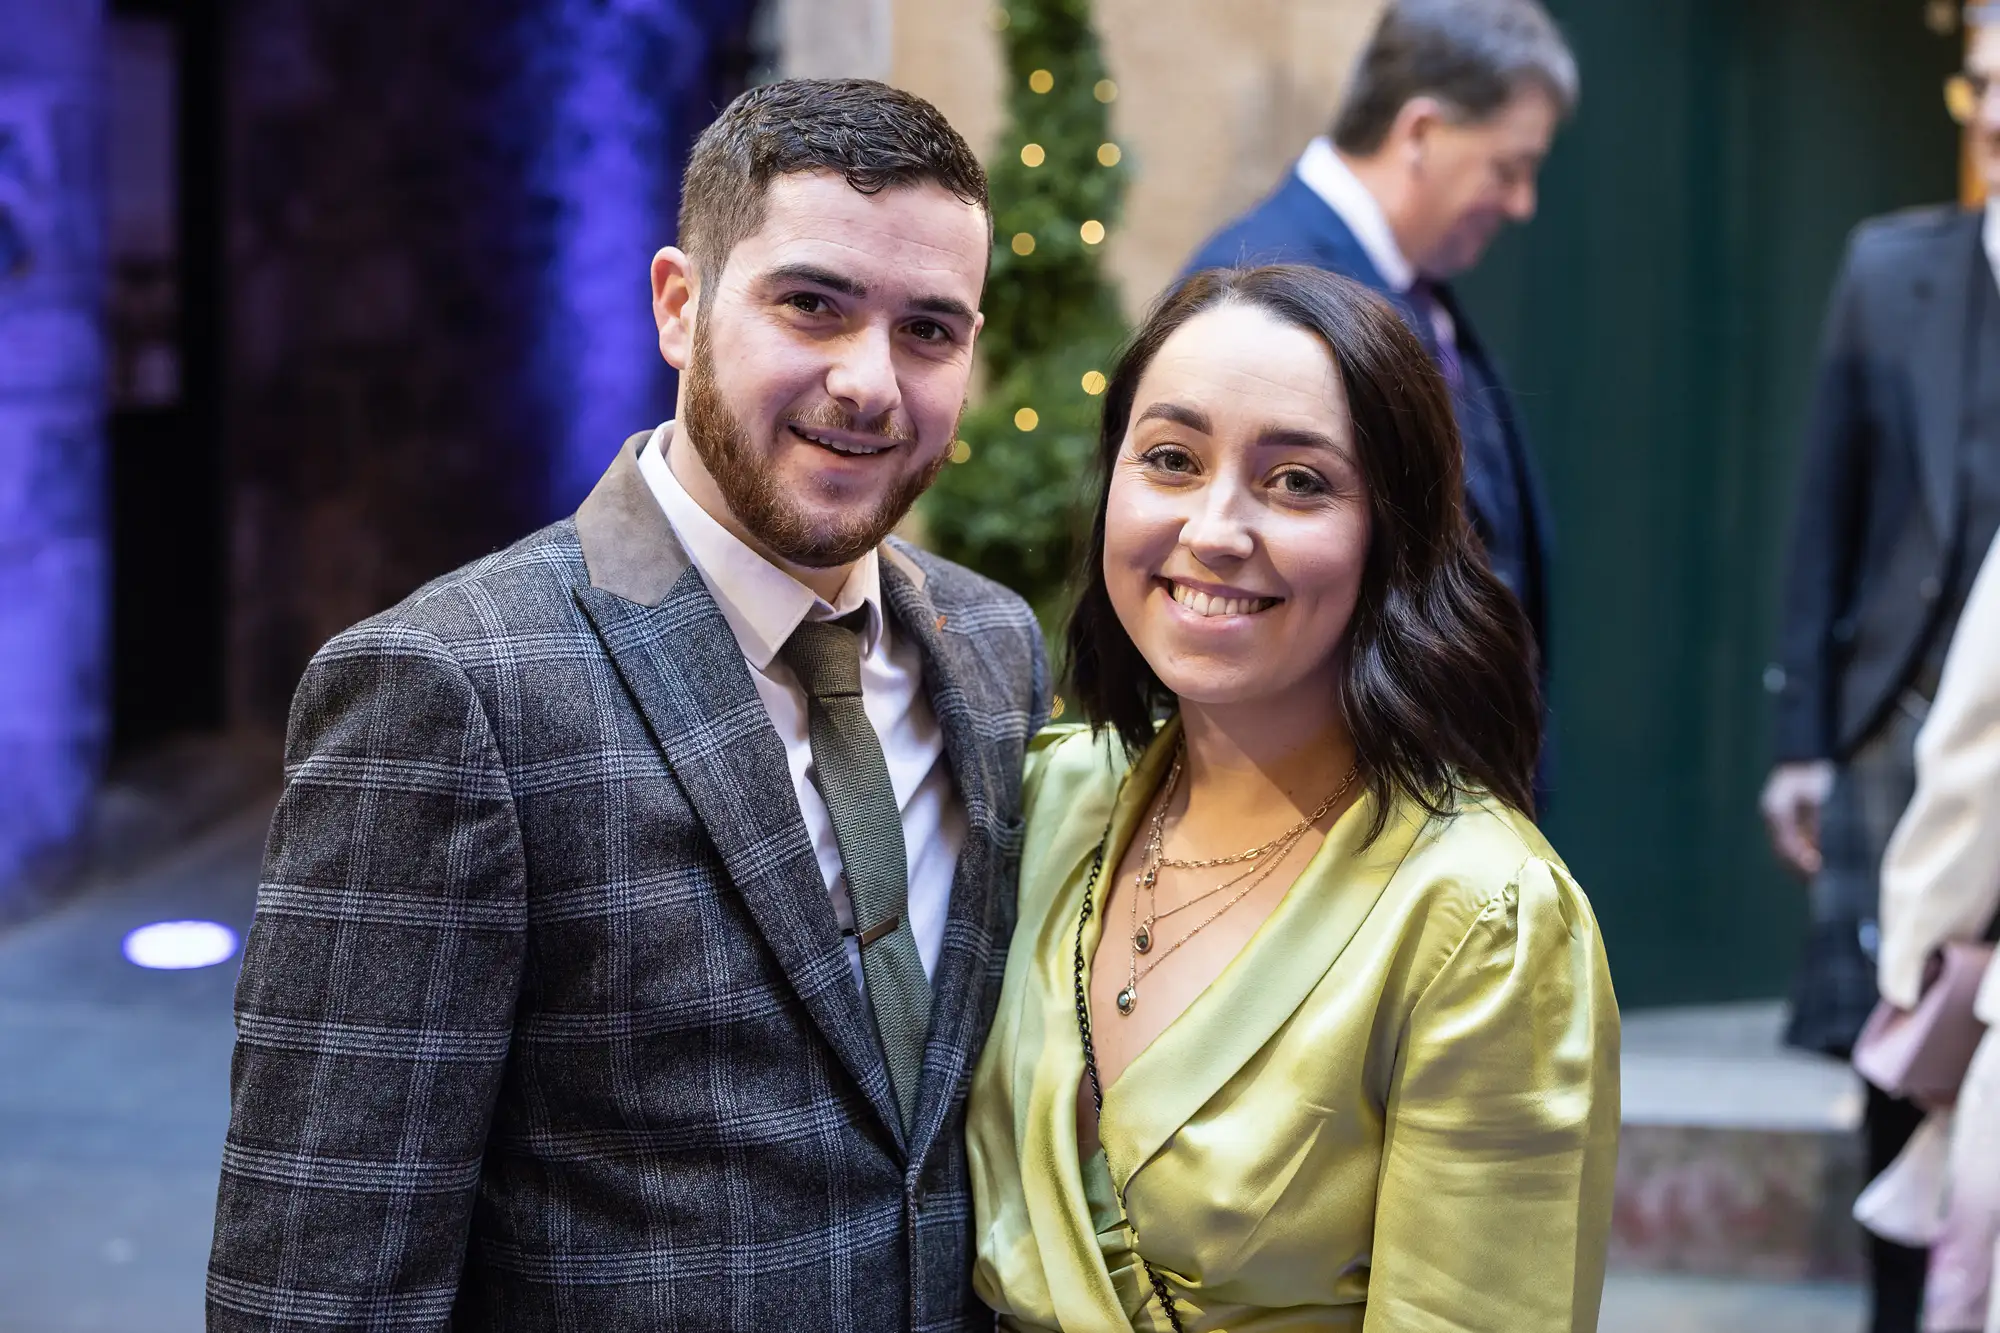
1105,91
1032,155
1109,155
1091,231
1027,419
1023,243
1093,382
960,451
1961,99
1041,81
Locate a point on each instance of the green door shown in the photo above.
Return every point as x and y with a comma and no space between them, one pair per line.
1659,321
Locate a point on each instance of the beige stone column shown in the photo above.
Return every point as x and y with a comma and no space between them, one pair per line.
838,39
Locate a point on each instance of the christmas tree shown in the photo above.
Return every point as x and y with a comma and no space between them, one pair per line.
1012,504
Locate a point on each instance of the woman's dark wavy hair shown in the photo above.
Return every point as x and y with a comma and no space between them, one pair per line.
1440,689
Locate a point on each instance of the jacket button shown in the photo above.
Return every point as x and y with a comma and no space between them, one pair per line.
1929,589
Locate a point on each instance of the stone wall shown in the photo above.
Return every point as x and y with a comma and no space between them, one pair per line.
53,570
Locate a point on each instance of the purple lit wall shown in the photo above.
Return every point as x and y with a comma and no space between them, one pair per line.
439,318
52,541
634,84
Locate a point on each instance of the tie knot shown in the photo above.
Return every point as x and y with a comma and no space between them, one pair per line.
826,655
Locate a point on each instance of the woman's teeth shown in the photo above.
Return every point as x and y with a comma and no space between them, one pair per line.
1202,604
838,446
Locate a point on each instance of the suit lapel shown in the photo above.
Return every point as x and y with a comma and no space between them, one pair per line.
977,912
685,671
1472,351
1941,321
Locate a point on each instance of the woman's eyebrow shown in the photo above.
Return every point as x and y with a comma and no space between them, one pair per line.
1285,437
1181,415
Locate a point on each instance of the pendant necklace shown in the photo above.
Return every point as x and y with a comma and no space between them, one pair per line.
1263,860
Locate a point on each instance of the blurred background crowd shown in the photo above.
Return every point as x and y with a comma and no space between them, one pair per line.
304,302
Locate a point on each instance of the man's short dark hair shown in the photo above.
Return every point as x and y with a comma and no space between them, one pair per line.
868,133
1474,56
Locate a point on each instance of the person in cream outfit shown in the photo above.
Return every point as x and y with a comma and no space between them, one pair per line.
1941,882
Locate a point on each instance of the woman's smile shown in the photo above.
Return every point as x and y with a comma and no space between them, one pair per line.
1208,602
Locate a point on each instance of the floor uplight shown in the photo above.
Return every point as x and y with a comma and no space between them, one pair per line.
181,944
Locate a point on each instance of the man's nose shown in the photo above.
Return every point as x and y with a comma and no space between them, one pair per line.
862,377
1521,201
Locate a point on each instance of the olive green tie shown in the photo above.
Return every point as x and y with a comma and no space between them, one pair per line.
854,780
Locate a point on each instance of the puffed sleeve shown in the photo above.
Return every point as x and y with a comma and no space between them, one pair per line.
1494,1205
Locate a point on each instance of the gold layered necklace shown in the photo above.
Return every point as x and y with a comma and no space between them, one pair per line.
1262,859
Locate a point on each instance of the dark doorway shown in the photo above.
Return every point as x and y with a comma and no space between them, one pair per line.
164,241
1661,318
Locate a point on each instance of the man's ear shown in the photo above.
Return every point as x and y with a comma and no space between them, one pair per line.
1414,124
676,297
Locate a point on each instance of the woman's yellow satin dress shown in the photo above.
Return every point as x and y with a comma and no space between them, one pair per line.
1396,1110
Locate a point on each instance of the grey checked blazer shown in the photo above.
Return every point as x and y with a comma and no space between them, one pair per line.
545,1022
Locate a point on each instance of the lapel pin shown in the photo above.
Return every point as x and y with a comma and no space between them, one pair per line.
940,623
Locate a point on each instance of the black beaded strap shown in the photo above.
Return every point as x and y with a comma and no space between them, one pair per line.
1165,1297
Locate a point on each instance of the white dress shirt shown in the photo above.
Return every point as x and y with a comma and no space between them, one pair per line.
1990,234
763,605
1327,175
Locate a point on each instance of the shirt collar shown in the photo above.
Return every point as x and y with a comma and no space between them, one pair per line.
1327,175
762,603
1990,235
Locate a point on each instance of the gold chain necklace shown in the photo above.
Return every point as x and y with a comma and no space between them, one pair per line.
1290,835
1153,858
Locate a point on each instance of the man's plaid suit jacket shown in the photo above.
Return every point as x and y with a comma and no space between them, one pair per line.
545,1022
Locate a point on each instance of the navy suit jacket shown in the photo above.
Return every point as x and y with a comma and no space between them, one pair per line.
1295,226
1883,527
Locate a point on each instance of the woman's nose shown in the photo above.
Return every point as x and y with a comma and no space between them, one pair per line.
1219,528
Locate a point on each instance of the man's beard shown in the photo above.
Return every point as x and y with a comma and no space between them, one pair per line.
787,525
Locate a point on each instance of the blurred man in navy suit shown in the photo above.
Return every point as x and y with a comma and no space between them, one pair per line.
1447,118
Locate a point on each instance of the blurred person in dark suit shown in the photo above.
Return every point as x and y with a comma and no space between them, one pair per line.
1447,118
1899,495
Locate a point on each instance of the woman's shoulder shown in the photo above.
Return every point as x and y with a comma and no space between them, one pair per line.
1482,894
1068,761
1481,859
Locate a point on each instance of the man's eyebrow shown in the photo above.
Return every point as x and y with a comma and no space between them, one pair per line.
815,276
1179,414
949,306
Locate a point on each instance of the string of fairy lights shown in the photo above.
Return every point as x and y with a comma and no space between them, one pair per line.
1090,231
1034,155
